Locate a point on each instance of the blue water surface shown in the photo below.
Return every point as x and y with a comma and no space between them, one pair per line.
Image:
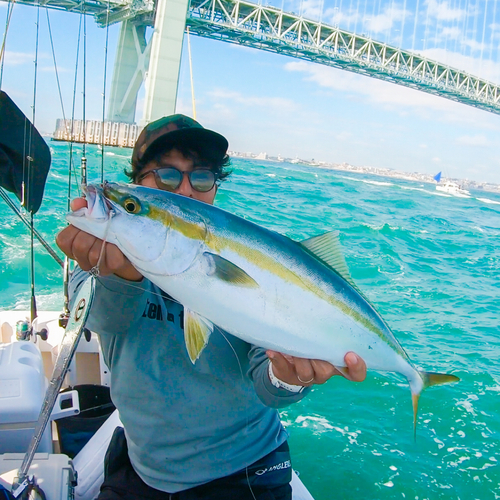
429,263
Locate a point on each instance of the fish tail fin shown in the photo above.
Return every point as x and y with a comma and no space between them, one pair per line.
429,379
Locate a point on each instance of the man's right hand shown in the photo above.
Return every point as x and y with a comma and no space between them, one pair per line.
86,250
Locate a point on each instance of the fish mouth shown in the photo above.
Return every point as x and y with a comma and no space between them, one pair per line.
98,208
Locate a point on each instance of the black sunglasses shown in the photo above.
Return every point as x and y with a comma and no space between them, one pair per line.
170,178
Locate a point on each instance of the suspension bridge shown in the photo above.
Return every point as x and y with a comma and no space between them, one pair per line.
156,61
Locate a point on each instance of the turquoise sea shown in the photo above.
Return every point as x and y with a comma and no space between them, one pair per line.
430,263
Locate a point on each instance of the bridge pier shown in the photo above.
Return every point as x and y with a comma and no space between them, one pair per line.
162,56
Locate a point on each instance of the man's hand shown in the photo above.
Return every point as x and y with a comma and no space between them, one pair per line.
307,372
86,250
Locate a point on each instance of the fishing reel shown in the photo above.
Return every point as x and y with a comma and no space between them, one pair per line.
25,331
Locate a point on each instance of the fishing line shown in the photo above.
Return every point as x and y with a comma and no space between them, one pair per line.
95,270
10,9
83,166
28,167
55,65
104,91
247,423
71,165
215,328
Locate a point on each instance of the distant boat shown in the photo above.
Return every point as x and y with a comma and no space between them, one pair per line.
450,187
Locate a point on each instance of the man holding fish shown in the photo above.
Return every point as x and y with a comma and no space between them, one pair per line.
199,423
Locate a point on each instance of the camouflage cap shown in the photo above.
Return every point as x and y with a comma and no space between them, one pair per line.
169,130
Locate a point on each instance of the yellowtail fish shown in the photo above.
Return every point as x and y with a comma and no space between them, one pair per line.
292,297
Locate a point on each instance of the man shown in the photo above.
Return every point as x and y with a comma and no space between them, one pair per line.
198,431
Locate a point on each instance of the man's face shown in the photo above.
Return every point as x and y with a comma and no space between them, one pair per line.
174,158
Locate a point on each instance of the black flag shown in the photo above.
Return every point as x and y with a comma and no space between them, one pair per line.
24,155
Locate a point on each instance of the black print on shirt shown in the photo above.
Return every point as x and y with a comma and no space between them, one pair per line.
152,311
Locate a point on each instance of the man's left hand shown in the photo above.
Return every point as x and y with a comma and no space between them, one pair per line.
307,372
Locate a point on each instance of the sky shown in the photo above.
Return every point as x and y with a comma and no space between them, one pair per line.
268,103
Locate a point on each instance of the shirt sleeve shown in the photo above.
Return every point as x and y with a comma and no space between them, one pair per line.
115,303
270,395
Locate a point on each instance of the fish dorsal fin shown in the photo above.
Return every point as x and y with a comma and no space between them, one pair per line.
227,271
327,248
197,331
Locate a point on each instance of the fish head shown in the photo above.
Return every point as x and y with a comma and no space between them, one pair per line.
146,224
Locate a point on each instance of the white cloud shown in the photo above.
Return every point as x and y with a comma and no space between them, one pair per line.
443,11
395,98
374,90
436,159
18,58
277,103
312,9
336,17
486,68
472,140
385,21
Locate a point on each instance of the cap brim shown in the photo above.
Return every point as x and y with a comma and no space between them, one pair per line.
199,139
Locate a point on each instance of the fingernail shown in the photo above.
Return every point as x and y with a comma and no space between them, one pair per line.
270,355
353,358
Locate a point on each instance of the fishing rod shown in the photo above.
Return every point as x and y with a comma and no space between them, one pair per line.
40,238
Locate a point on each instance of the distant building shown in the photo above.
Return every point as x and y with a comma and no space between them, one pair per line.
91,132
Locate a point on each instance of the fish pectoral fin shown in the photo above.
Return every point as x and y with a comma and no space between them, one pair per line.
197,331
227,271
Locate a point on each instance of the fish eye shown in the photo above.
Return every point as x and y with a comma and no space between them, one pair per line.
132,206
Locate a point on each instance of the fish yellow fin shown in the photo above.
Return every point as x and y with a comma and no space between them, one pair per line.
197,331
227,271
429,379
326,247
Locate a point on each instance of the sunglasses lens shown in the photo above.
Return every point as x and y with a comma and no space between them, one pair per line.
202,180
168,178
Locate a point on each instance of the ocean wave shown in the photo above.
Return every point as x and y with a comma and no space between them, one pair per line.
488,201
367,181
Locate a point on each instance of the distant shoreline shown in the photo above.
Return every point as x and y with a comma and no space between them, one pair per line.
380,172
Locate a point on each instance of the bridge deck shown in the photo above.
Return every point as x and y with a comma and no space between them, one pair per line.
271,29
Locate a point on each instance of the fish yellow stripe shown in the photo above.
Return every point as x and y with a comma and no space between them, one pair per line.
259,259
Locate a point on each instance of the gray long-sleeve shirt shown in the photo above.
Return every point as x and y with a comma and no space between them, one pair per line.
185,424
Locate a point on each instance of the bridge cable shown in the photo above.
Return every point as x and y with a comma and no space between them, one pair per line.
493,32
414,48
482,41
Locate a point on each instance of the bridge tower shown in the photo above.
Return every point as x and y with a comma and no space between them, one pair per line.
157,63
